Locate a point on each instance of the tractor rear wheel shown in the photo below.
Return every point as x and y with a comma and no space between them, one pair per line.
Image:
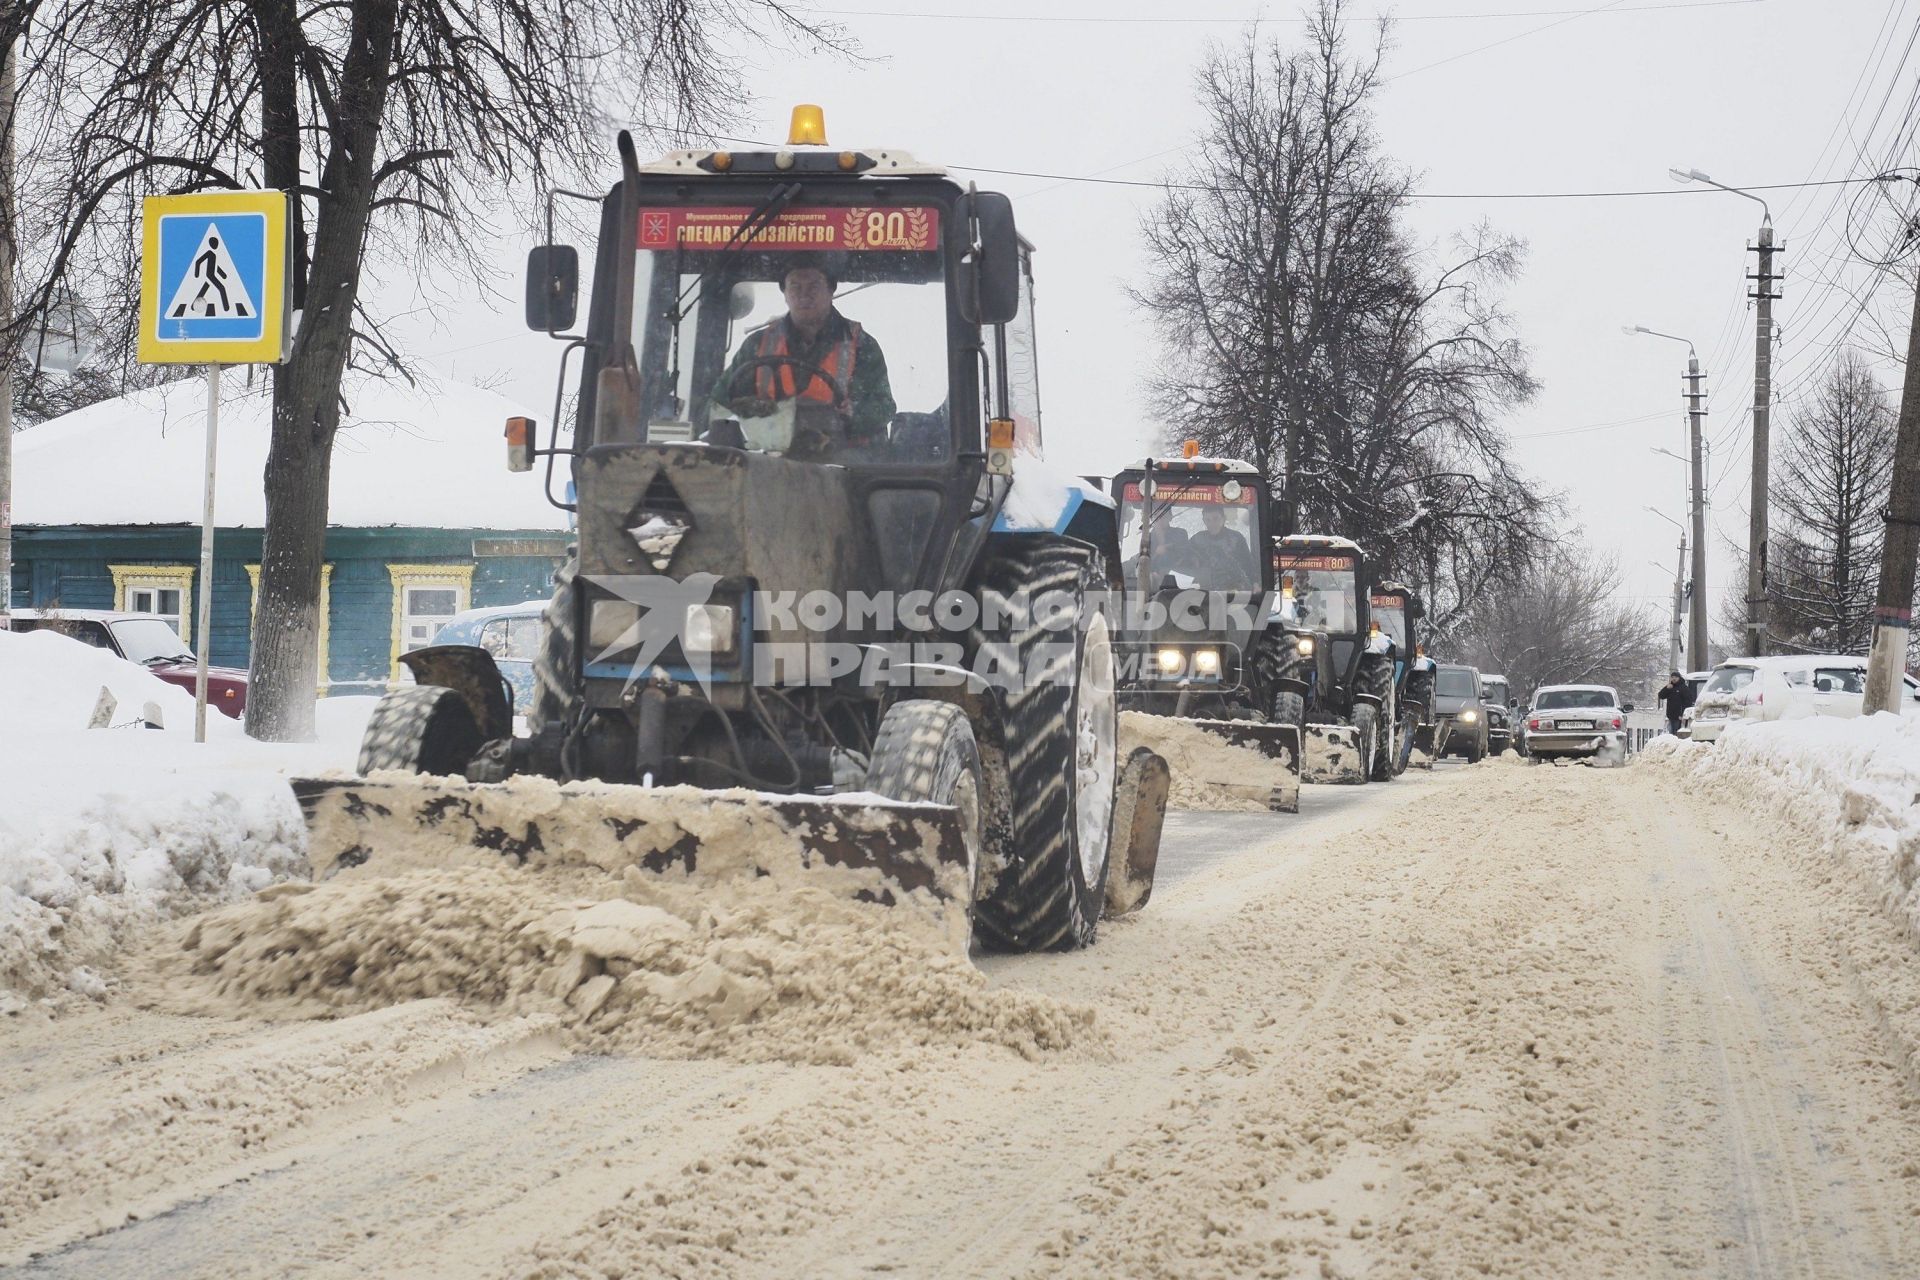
1366,726
1059,731
420,728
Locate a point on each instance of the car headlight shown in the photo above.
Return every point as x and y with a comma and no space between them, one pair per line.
708,628
613,624
1206,662
1469,716
1305,646
1169,661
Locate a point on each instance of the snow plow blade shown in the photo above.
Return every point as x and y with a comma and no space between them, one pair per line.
1137,817
1333,754
897,855
1278,742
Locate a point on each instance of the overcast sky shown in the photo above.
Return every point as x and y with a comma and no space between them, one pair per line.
1569,98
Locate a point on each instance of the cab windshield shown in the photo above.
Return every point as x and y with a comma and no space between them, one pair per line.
1392,617
1319,593
819,333
1205,532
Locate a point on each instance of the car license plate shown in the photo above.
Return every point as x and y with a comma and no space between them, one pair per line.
1574,724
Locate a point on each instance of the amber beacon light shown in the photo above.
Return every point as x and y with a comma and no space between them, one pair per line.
809,127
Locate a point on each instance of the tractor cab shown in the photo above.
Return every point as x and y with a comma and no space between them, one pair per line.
1190,533
1321,593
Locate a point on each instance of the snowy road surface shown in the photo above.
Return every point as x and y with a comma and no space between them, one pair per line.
1490,1021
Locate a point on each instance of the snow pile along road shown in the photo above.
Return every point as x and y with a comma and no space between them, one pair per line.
1854,784
749,969
104,828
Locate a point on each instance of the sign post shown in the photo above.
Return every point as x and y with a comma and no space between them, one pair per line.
214,290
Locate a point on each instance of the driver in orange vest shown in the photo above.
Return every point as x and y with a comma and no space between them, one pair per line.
820,341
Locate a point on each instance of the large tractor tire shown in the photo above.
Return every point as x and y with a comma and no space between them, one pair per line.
1376,678
556,668
925,751
1366,727
420,729
1291,708
1059,734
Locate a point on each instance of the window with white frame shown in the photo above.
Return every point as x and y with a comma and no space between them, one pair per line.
160,589
425,598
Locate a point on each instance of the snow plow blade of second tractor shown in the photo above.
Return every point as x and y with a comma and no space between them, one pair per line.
907,856
1277,742
1333,754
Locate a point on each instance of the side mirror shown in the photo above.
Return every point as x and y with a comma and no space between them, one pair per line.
1279,517
1626,706
989,259
553,287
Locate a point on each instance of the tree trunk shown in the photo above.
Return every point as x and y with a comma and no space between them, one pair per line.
306,399
1893,604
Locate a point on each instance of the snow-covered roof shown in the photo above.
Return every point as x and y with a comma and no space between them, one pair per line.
431,456
1319,542
1209,466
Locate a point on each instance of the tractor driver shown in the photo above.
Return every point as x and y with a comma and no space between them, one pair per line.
819,341
1220,556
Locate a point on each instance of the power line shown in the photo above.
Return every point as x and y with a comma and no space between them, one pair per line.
1591,426
1249,20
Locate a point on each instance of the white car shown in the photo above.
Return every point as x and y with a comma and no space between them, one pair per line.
1577,721
1756,690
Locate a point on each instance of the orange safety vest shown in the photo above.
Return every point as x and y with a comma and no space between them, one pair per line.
838,365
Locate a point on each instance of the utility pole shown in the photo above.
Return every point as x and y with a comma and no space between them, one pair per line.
6,317
1893,606
1763,296
1696,410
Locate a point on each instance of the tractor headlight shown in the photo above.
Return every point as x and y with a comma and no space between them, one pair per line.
708,629
613,624
1305,646
1169,661
1206,662
1469,716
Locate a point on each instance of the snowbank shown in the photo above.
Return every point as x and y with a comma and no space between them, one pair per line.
1853,784
102,829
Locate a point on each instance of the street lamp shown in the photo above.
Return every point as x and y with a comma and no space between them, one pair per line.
1763,297
1697,632
1679,589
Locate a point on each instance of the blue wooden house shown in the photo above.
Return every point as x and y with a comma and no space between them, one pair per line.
424,518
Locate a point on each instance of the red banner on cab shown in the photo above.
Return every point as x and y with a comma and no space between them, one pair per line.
1287,563
835,229
1199,495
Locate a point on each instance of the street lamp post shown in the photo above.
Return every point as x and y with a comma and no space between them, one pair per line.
1763,295
1696,409
1679,593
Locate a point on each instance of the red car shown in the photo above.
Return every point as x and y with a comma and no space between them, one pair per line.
144,639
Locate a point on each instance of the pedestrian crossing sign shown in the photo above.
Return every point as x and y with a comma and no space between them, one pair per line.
213,279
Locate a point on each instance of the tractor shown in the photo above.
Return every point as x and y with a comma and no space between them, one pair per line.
1334,670
819,553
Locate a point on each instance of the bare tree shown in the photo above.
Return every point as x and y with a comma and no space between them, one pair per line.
1831,480
1562,621
1307,334
403,127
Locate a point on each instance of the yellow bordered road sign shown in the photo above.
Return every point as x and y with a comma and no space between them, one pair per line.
214,287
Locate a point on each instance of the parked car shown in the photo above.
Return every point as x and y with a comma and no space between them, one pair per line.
1578,722
1459,713
511,633
146,639
1756,690
1500,709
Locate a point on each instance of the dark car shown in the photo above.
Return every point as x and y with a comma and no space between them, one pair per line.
146,639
